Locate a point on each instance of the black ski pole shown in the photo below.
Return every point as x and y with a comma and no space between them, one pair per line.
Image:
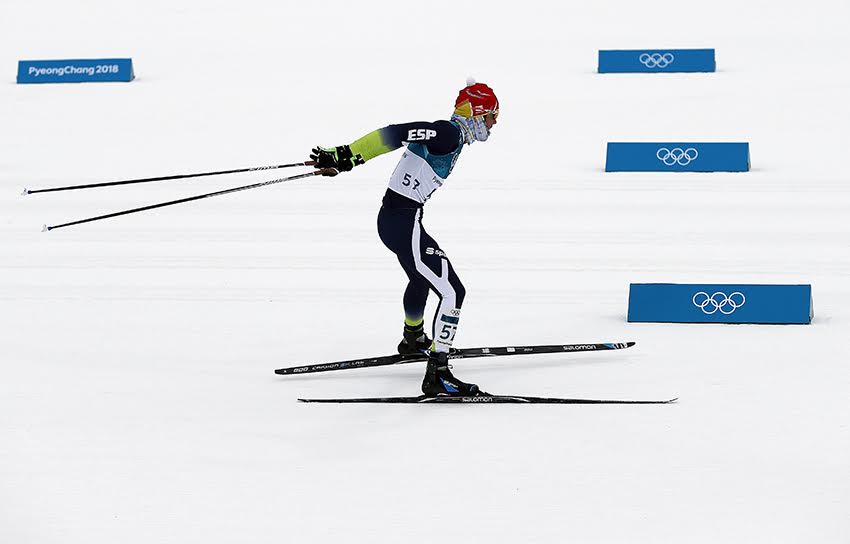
164,178
322,172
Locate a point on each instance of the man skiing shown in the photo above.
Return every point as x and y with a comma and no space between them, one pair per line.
432,150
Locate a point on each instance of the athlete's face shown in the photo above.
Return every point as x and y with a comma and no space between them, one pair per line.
490,120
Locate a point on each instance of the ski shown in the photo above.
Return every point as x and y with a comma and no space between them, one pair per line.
460,353
484,399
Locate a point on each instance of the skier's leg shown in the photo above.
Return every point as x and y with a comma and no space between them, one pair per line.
395,227
433,264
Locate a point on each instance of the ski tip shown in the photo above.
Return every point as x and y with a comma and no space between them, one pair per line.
25,192
45,228
618,345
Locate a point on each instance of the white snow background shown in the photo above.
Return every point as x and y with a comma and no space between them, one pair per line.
138,402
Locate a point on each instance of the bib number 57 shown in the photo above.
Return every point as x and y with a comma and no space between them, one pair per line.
408,179
448,332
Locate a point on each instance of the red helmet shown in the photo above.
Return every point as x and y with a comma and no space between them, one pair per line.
476,99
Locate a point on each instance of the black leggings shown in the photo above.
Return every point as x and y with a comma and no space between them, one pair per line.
427,267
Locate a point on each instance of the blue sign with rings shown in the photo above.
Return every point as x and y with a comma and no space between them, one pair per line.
677,157
620,61
75,71
720,303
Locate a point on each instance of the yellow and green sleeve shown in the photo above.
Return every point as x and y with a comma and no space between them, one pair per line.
375,143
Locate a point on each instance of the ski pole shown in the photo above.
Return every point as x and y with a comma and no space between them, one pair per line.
322,172
164,178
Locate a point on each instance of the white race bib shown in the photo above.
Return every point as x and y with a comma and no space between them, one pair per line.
414,178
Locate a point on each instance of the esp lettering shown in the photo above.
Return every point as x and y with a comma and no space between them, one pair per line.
416,134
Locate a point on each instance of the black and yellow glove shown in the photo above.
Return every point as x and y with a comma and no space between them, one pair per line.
338,158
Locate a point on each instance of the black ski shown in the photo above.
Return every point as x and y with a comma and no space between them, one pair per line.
461,353
484,399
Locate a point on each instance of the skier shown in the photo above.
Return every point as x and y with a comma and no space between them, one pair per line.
432,150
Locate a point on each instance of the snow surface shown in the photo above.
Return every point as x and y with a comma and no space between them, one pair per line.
137,398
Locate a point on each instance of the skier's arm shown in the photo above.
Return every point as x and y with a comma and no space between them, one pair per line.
440,137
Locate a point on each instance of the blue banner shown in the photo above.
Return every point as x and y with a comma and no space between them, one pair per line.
75,71
677,157
621,61
720,303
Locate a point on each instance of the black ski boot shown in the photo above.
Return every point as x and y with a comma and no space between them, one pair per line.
414,340
439,380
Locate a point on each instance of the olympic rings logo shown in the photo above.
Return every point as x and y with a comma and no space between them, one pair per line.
656,60
719,302
676,155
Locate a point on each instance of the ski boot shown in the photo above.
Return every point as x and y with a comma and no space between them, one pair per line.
439,380
414,341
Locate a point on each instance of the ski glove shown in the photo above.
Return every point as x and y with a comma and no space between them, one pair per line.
339,158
